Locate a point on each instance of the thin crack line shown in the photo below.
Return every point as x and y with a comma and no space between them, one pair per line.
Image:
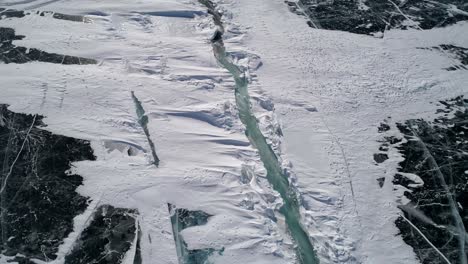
18,155
425,238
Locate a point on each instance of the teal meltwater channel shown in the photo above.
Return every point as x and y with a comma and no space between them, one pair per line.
275,175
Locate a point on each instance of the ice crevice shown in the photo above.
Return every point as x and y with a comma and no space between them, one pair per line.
143,121
275,173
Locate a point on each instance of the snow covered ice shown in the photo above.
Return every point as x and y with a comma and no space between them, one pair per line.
233,131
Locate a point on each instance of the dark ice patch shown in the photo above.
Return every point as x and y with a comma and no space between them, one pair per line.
74,18
436,151
186,218
8,13
38,199
60,16
346,15
106,240
182,219
8,35
380,15
97,13
12,13
174,13
380,157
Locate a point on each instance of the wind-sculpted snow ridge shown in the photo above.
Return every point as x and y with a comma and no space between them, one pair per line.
375,17
433,175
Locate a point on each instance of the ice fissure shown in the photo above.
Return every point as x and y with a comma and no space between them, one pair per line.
181,219
143,121
275,175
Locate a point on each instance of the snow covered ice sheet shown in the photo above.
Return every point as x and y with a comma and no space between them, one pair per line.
152,79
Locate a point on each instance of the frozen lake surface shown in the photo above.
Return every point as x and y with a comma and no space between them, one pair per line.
233,131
